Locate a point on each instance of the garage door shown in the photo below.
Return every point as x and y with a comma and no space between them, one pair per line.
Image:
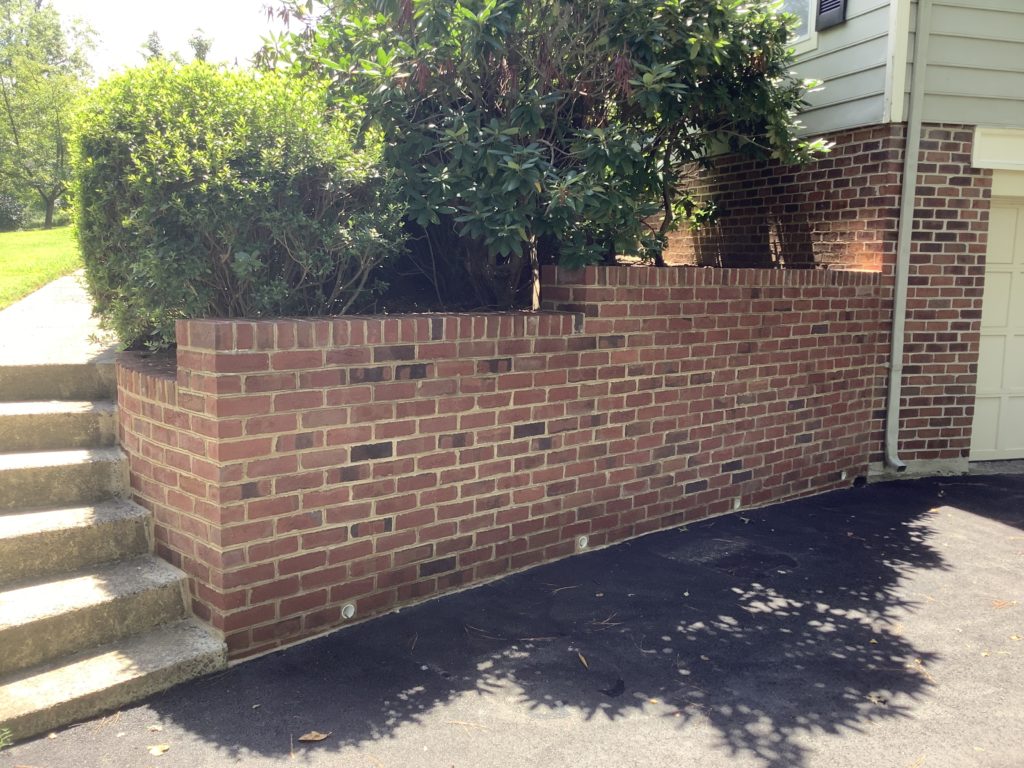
998,431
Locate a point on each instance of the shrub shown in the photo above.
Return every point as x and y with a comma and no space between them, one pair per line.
552,129
12,213
201,192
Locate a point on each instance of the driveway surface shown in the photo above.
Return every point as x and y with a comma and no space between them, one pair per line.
879,626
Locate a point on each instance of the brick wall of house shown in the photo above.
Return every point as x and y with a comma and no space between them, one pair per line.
294,467
947,280
842,213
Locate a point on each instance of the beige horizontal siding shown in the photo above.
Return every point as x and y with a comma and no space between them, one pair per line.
851,60
975,70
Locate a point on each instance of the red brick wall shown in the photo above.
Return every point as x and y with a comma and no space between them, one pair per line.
170,441
842,212
947,276
295,466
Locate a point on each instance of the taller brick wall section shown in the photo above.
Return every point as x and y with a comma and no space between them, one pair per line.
947,282
839,212
842,212
294,466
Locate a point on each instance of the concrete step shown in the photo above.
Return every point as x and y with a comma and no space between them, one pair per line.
60,478
57,425
43,620
92,682
59,381
52,541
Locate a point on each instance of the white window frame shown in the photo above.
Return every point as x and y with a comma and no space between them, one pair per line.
810,41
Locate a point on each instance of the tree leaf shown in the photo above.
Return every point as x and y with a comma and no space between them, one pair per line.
314,736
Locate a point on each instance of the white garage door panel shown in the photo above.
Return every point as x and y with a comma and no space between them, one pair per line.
998,429
1002,228
1012,438
995,312
1017,293
986,422
991,355
1013,377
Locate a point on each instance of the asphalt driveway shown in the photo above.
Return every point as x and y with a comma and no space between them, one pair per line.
879,626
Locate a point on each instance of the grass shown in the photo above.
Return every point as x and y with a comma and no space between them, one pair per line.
31,259
5,738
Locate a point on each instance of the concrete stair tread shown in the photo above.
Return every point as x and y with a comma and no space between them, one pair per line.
89,619
39,459
52,407
48,425
93,681
47,479
69,380
25,603
14,525
45,542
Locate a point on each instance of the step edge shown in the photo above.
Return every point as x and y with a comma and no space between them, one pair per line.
107,454
112,511
166,575
206,654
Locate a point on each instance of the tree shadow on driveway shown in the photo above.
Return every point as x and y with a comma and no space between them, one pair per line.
764,628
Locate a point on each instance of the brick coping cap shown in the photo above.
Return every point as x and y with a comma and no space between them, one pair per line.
707,276
241,334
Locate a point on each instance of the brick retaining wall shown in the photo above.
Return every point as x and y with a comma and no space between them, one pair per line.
296,466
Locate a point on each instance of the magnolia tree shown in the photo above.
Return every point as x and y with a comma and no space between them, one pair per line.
533,131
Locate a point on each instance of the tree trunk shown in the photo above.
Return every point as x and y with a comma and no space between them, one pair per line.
609,259
534,274
48,221
669,216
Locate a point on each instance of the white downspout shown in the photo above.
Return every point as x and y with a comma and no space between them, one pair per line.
906,230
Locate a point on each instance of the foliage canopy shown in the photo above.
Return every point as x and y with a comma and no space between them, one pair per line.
527,131
201,192
42,72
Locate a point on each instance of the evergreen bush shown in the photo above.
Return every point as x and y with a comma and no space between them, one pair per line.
203,192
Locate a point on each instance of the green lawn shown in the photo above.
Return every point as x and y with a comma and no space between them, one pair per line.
31,259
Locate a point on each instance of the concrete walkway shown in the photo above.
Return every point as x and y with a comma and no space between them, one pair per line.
880,626
55,326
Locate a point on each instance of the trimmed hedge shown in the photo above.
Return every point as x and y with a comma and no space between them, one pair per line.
202,192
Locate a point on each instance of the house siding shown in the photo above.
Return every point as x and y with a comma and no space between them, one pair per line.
975,66
851,60
975,70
